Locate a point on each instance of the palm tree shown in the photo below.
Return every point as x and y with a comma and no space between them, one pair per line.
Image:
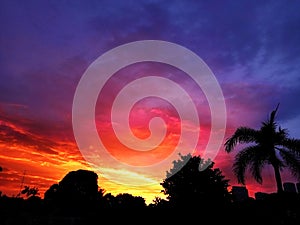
268,145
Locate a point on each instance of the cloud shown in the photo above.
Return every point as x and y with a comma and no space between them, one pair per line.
129,178
16,137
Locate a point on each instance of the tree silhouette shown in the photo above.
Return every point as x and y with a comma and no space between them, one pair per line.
77,193
75,186
268,145
128,201
53,193
192,187
159,203
29,191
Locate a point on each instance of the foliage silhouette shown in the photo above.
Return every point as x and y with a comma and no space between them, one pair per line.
268,145
191,187
76,201
75,194
78,194
29,192
75,186
128,201
159,203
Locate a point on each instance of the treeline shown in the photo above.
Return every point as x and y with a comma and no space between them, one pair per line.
77,199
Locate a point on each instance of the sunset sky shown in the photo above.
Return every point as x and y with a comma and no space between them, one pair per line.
252,48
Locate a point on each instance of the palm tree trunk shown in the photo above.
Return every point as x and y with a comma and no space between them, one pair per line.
278,179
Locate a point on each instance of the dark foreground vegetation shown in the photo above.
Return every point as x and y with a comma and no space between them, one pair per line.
192,195
35,211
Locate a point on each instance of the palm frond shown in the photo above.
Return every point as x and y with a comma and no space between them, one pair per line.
258,162
292,145
273,113
280,135
243,159
292,161
241,135
270,124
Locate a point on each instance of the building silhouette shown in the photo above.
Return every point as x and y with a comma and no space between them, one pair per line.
239,193
298,187
261,195
289,187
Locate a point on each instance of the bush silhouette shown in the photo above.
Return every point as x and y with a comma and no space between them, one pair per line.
75,194
192,188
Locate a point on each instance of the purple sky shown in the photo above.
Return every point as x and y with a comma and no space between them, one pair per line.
252,48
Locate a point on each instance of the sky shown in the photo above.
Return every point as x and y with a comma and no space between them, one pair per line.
251,47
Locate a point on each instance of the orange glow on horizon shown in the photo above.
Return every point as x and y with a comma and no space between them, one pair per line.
33,159
24,164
